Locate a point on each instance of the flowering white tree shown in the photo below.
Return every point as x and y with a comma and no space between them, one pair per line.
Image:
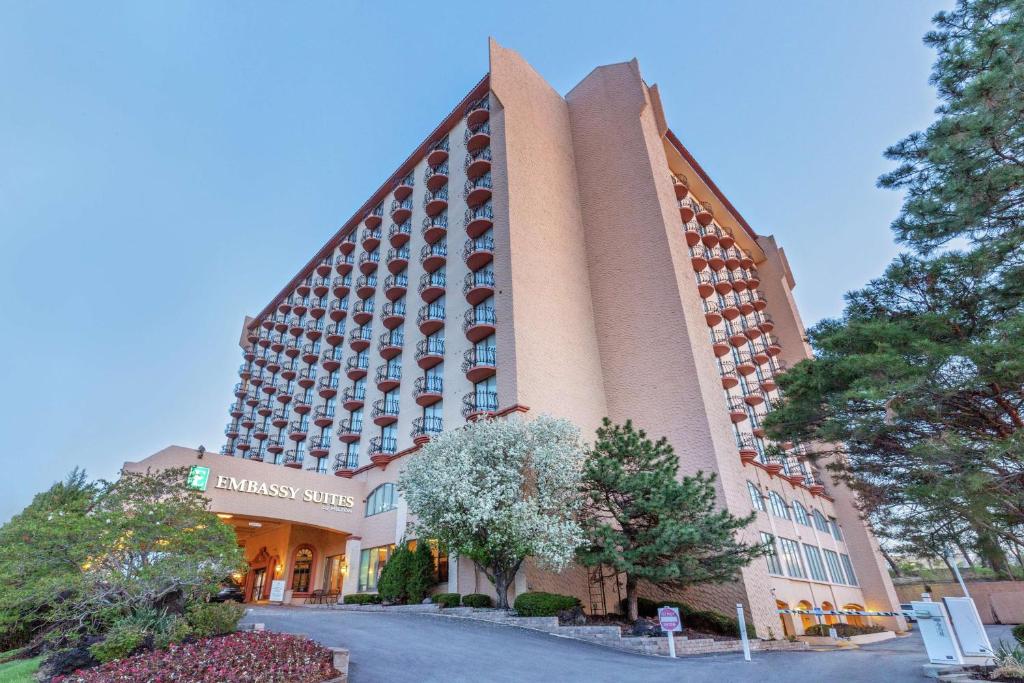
499,491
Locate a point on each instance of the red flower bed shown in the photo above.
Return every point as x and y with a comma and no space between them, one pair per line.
243,657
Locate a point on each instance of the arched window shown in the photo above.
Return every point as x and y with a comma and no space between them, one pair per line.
302,570
381,499
800,512
779,506
755,496
855,619
820,522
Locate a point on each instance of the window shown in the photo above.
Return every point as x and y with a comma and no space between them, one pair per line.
371,562
814,563
835,568
791,556
800,512
851,578
302,570
381,499
755,496
779,506
836,531
820,522
774,564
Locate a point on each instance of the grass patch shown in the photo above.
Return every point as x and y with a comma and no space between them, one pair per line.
19,670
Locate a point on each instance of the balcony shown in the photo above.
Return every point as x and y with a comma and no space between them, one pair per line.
388,377
232,430
479,220
348,244
359,339
341,285
732,257
436,176
478,137
720,343
227,450
280,418
753,397
263,341
296,325
366,285
397,259
301,405
479,363
280,322
730,377
478,252
265,408
393,314
688,209
727,240
335,333
371,238
390,343
247,422
249,354
285,306
814,484
680,185
311,352
477,404
385,412
298,430
747,447
476,191
737,409
362,311
252,335
738,280
403,188
709,236
274,445
307,378
270,388
430,318
478,286
435,228
343,264
432,286
479,111
323,416
712,312
252,399
746,364
273,365
760,352
399,233
257,379
353,398
438,152
293,458
305,286
345,466
327,387
314,329
433,256
292,348
746,260
395,286
241,389
243,444
477,163
356,367
774,345
716,258
245,370
730,306
318,308
321,285
704,213
350,431
331,360
260,432
236,410
479,323
692,231
425,427
284,394
320,446
368,262
382,448
374,218
428,390
764,322
401,210
698,258
435,202
429,352
752,278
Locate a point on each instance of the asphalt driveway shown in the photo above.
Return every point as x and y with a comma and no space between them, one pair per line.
423,647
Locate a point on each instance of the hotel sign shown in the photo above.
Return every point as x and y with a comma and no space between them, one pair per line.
326,499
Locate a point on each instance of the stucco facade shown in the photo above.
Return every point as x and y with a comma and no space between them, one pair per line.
541,253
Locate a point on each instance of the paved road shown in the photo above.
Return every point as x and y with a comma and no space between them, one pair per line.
422,647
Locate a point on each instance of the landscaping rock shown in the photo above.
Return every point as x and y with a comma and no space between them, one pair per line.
572,617
645,629
63,662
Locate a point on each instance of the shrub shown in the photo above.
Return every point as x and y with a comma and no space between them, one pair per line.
123,638
477,600
543,604
362,599
1009,661
243,656
394,578
842,630
446,599
1018,633
421,573
174,630
214,618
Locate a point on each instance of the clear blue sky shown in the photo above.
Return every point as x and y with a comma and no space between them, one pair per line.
166,166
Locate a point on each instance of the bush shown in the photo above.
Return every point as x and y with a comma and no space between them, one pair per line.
842,630
1018,633
123,638
394,578
446,599
243,656
174,630
214,618
708,621
543,604
421,573
477,600
362,599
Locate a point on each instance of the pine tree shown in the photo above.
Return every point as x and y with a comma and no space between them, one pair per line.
421,572
641,520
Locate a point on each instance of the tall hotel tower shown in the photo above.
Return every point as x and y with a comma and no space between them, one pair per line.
562,255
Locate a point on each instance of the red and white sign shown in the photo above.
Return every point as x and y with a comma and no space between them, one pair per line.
668,618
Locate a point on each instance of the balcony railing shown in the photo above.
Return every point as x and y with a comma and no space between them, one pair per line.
386,408
426,426
429,347
383,445
479,402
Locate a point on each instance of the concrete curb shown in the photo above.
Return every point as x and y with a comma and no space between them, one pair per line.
340,665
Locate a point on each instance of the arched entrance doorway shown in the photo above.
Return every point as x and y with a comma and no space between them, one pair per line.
855,619
261,572
788,628
806,620
829,618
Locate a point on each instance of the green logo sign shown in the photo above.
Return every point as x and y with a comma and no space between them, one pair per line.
198,478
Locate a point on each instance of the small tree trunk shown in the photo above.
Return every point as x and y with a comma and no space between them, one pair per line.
501,581
632,592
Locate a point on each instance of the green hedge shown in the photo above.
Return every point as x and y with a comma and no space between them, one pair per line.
543,604
1018,633
362,599
214,618
842,630
477,600
446,599
701,620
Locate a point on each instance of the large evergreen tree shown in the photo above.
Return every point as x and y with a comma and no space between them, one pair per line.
641,520
922,379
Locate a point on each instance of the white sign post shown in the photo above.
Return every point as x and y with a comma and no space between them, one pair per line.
277,590
668,619
938,637
743,631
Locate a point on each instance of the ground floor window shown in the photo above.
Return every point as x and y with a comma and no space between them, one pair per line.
371,562
334,577
302,570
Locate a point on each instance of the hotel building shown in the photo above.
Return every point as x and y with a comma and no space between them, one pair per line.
537,253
